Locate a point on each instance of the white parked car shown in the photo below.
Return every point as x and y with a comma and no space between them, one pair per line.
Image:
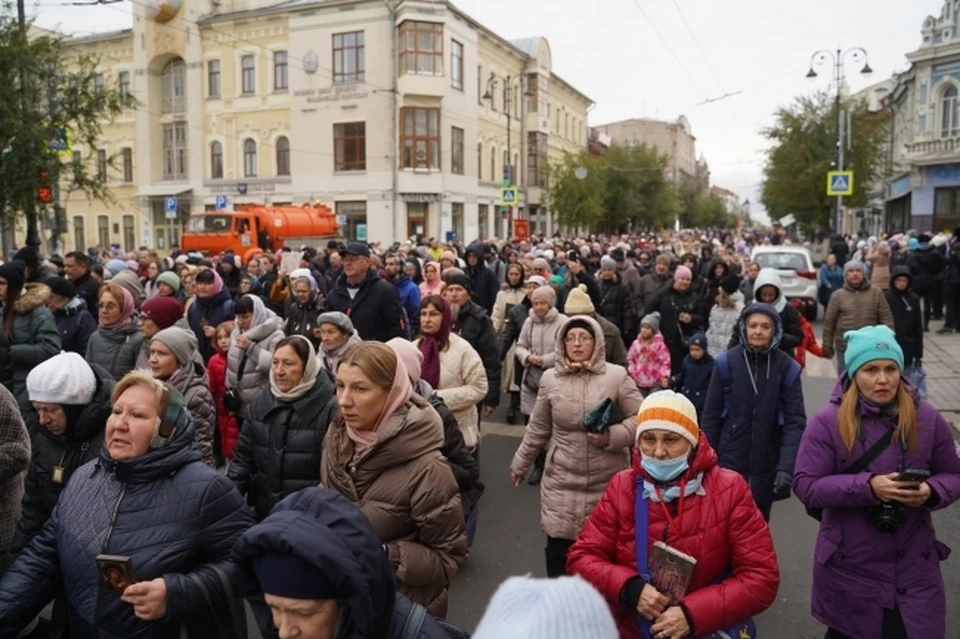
797,273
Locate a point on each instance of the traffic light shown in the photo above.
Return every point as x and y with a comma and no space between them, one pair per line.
44,190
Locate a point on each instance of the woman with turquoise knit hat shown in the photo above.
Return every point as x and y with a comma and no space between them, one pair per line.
876,461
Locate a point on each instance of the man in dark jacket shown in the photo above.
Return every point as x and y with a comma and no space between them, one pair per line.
473,324
76,267
754,414
509,335
317,551
615,300
579,303
907,321
630,277
680,315
75,323
484,281
408,291
926,265
652,283
371,303
951,293
840,248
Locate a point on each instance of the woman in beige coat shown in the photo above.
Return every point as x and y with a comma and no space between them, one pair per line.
579,464
382,451
511,293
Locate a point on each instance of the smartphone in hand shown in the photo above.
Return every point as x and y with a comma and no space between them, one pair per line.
916,475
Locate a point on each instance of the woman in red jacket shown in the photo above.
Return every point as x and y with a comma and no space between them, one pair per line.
696,508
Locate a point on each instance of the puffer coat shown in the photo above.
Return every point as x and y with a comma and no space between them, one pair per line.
76,325
850,309
723,324
279,448
115,350
538,336
671,303
616,306
35,340
463,385
167,511
227,422
722,529
407,491
15,461
69,451
192,382
302,319
266,331
576,473
857,572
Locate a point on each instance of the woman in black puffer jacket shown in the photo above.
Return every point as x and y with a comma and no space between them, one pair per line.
283,428
304,309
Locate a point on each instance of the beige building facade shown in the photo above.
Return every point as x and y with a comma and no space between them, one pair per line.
674,139
395,115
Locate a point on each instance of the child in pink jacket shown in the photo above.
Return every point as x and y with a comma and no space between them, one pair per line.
649,359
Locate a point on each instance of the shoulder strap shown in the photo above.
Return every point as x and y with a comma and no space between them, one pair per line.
243,364
868,457
414,623
206,596
723,366
792,373
641,525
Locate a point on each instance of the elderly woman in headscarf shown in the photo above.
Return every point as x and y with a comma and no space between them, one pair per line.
258,331
211,306
383,452
336,334
116,344
173,361
432,283
304,309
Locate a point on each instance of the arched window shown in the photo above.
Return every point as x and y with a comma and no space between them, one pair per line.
250,158
480,161
283,156
173,87
950,118
216,161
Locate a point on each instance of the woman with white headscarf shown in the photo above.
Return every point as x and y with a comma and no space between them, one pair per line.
257,332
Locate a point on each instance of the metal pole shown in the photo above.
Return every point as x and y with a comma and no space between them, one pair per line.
838,213
506,106
33,237
397,221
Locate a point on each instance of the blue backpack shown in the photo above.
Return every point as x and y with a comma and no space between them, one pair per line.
723,367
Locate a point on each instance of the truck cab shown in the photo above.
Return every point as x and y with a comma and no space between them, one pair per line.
257,226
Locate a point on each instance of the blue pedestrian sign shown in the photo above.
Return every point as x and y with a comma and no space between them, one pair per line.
170,208
509,196
221,201
840,183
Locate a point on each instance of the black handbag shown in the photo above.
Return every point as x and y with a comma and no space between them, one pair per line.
601,418
231,398
236,626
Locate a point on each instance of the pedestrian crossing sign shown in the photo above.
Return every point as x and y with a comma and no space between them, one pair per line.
840,183
509,196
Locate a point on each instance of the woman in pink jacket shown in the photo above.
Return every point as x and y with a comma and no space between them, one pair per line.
649,357
432,284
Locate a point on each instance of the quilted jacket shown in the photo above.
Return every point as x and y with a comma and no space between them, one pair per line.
649,362
693,380
227,423
723,324
576,473
722,529
538,336
191,380
166,510
406,489
280,443
753,421
856,570
850,309
266,331
115,350
35,339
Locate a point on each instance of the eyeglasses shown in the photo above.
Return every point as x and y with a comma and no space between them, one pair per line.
578,339
107,306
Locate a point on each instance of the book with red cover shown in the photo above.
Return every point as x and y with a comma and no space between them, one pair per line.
671,571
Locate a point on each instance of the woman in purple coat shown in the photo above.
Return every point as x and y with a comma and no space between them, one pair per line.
876,570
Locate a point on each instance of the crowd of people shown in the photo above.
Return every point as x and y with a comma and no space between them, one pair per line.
300,432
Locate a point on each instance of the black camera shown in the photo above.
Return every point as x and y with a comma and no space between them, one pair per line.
887,517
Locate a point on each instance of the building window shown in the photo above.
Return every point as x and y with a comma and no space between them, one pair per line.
482,222
248,74
173,87
216,161
127,154
124,81
456,65
421,48
950,123
923,93
213,78
356,214
98,83
946,207
537,159
493,164
479,84
283,156
533,85
349,64
280,68
350,146
249,158
129,237
480,161
420,137
922,123
103,231
79,236
456,150
456,221
175,151
101,166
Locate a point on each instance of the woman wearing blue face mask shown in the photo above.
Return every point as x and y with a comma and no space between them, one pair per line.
694,508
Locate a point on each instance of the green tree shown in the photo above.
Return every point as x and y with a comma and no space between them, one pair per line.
48,90
624,187
803,152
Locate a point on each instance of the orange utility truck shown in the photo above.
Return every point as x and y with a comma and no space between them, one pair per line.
258,226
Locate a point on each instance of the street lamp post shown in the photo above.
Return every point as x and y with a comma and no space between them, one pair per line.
819,58
507,107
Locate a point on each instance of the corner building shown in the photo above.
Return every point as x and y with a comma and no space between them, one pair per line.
403,117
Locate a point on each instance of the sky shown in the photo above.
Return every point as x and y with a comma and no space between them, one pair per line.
663,58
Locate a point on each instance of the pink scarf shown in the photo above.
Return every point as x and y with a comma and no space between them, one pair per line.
399,395
430,347
126,314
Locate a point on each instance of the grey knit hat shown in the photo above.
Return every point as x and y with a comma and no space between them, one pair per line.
607,262
338,319
652,320
182,343
854,265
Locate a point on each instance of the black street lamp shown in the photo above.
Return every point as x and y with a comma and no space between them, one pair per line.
507,107
839,58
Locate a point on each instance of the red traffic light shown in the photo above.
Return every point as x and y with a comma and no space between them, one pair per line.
44,175
45,194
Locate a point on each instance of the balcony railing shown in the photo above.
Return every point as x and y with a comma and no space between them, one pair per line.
933,149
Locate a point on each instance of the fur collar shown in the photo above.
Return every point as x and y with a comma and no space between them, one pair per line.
34,296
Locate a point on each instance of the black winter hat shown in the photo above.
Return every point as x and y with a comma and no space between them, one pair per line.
28,257
62,287
14,273
730,283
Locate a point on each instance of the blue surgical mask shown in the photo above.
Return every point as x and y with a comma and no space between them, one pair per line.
664,470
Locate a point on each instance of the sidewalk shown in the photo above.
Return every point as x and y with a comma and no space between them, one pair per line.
941,361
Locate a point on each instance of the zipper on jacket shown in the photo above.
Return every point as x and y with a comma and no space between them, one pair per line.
106,544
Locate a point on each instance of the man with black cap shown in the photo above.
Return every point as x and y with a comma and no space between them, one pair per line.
34,271
76,268
74,321
371,303
484,281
